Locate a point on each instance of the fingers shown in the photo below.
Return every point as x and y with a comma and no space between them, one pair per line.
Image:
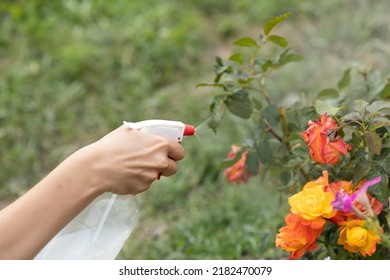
175,151
171,169
162,154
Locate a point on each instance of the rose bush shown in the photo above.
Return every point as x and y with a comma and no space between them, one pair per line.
329,152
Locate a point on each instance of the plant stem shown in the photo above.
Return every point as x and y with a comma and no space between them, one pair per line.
286,144
263,90
375,226
273,132
357,122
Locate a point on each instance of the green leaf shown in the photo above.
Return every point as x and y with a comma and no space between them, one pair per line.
245,42
356,139
245,81
379,122
211,85
287,57
271,114
219,61
331,233
385,93
373,141
285,177
267,65
375,84
328,93
217,110
218,78
384,159
353,116
361,170
380,191
273,22
323,107
345,80
360,105
257,104
243,77
264,152
252,163
237,58
278,40
222,69
290,57
378,107
294,163
239,104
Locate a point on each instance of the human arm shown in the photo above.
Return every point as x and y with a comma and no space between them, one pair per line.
124,161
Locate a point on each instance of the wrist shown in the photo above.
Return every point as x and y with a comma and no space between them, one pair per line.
85,173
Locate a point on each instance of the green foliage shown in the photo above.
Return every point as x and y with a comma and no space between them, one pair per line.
273,22
358,103
246,95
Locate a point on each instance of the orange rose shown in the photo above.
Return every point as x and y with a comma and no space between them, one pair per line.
299,235
324,148
355,236
237,173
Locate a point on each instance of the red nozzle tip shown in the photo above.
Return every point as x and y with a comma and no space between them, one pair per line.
189,130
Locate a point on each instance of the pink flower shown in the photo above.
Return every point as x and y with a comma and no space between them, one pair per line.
344,201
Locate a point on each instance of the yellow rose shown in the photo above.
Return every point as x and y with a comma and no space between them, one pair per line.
313,201
355,237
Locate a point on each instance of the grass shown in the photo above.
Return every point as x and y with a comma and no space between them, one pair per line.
70,71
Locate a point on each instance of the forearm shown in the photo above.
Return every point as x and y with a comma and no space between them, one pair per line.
124,161
28,224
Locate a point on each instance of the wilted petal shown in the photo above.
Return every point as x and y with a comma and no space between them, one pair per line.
237,173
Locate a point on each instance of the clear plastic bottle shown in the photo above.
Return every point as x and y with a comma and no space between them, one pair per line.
101,229
99,232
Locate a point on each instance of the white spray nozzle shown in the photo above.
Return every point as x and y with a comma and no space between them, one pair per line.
173,130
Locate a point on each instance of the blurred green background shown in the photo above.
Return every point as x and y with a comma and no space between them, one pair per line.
72,70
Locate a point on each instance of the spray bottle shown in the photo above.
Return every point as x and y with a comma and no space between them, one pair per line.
101,229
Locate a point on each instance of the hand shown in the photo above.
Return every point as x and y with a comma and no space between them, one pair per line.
124,161
127,161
